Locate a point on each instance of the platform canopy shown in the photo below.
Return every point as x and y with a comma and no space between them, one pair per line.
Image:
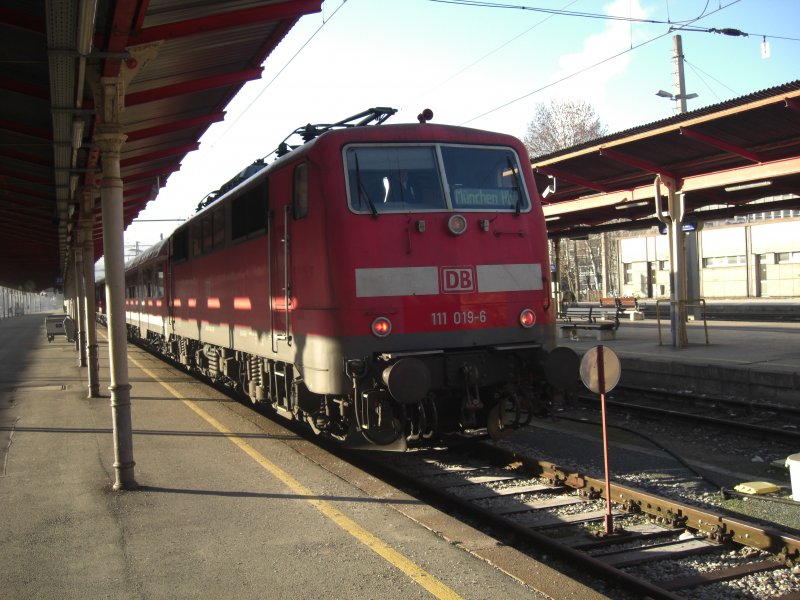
199,54
737,157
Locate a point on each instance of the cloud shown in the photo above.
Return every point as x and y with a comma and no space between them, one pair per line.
616,37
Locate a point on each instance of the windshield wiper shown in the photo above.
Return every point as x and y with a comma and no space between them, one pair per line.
362,193
518,207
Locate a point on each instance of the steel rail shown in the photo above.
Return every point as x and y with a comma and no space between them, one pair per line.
670,512
694,417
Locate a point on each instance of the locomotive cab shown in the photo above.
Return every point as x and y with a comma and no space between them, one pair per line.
438,257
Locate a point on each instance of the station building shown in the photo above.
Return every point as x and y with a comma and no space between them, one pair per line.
752,256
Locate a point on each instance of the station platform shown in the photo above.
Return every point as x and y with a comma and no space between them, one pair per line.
229,504
748,360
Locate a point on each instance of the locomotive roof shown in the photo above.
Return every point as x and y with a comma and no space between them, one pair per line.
398,132
149,254
418,132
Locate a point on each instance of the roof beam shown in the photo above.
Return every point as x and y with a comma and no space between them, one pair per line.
27,214
25,196
31,232
163,172
125,13
24,88
137,200
692,183
159,154
22,21
201,121
24,157
140,189
16,175
190,87
34,132
720,144
559,174
271,42
638,163
228,20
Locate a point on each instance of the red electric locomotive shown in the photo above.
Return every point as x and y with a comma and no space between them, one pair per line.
383,283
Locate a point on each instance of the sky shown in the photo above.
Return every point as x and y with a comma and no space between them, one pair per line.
485,67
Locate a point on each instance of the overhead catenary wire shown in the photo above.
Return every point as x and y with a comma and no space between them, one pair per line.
568,13
278,74
701,75
731,31
606,17
589,67
496,49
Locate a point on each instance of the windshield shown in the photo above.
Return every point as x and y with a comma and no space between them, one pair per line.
394,178
435,177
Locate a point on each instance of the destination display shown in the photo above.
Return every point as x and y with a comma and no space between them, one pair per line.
484,197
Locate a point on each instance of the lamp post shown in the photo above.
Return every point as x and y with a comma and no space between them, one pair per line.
679,99
680,96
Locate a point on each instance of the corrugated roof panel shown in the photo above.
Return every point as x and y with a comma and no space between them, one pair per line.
711,110
211,54
163,12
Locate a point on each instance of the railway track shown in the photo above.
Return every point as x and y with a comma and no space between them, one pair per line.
563,512
752,418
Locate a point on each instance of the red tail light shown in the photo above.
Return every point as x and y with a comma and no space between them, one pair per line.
381,327
527,318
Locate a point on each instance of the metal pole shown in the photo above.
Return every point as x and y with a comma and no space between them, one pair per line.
677,260
557,287
680,84
601,382
86,222
692,288
80,326
74,302
110,139
674,224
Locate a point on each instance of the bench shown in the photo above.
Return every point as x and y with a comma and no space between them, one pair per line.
603,321
623,304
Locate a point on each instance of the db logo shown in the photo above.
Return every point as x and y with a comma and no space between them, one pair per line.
457,280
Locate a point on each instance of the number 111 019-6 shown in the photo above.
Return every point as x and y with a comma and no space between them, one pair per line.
461,317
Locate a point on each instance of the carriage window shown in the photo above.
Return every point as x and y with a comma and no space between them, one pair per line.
394,179
219,227
484,178
300,201
249,212
195,235
180,245
160,282
208,234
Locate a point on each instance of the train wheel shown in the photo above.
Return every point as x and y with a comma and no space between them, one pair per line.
502,419
385,439
312,422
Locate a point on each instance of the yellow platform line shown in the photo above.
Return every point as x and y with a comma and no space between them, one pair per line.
411,569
